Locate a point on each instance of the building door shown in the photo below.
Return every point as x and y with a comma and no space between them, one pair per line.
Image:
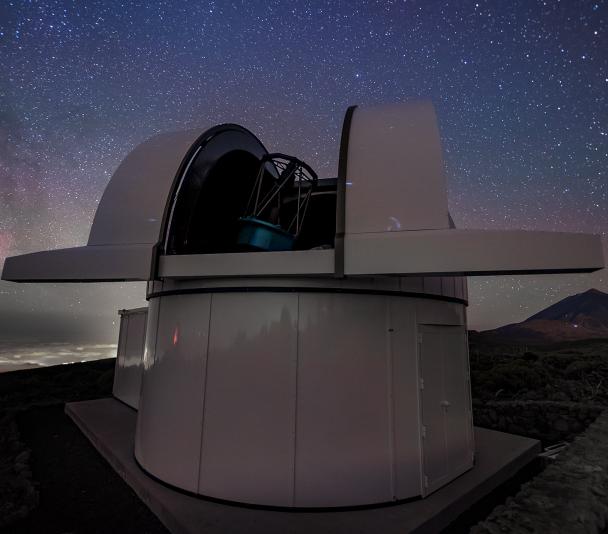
447,434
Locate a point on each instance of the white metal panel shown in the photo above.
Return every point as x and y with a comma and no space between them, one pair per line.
343,449
471,252
129,362
413,284
81,264
386,283
151,333
458,416
147,386
249,416
169,425
446,405
404,401
459,287
133,203
293,282
120,352
394,176
448,286
295,262
436,312
432,285
355,436
432,372
122,337
132,367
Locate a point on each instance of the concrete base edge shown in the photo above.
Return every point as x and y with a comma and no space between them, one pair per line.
110,426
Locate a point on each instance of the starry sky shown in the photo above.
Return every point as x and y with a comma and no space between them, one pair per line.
520,87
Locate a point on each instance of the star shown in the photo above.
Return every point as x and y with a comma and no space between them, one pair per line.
520,95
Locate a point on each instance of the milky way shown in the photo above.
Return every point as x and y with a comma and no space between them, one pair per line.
520,89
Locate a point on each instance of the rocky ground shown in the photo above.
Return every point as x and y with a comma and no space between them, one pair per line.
554,393
18,494
53,481
550,393
571,495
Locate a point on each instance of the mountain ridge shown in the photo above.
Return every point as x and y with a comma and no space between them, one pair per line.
580,316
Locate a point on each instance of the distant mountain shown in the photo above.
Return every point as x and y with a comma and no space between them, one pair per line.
581,316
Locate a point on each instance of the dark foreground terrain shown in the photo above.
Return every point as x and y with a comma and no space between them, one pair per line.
64,486
53,481
555,392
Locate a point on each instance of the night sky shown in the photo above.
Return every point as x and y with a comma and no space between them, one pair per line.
521,91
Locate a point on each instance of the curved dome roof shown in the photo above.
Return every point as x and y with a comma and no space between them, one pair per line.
133,214
135,205
391,214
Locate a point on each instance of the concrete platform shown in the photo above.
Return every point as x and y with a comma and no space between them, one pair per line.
110,425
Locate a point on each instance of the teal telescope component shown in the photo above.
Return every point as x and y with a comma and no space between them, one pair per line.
277,205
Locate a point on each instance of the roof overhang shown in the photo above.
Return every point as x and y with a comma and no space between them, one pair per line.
92,263
392,215
472,252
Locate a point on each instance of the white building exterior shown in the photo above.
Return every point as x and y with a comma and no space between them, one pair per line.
333,375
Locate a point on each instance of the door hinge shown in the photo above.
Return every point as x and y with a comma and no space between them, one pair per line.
419,338
426,481
422,383
423,431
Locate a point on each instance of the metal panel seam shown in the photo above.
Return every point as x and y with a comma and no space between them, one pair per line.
204,396
417,340
295,404
391,397
469,392
141,363
444,361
